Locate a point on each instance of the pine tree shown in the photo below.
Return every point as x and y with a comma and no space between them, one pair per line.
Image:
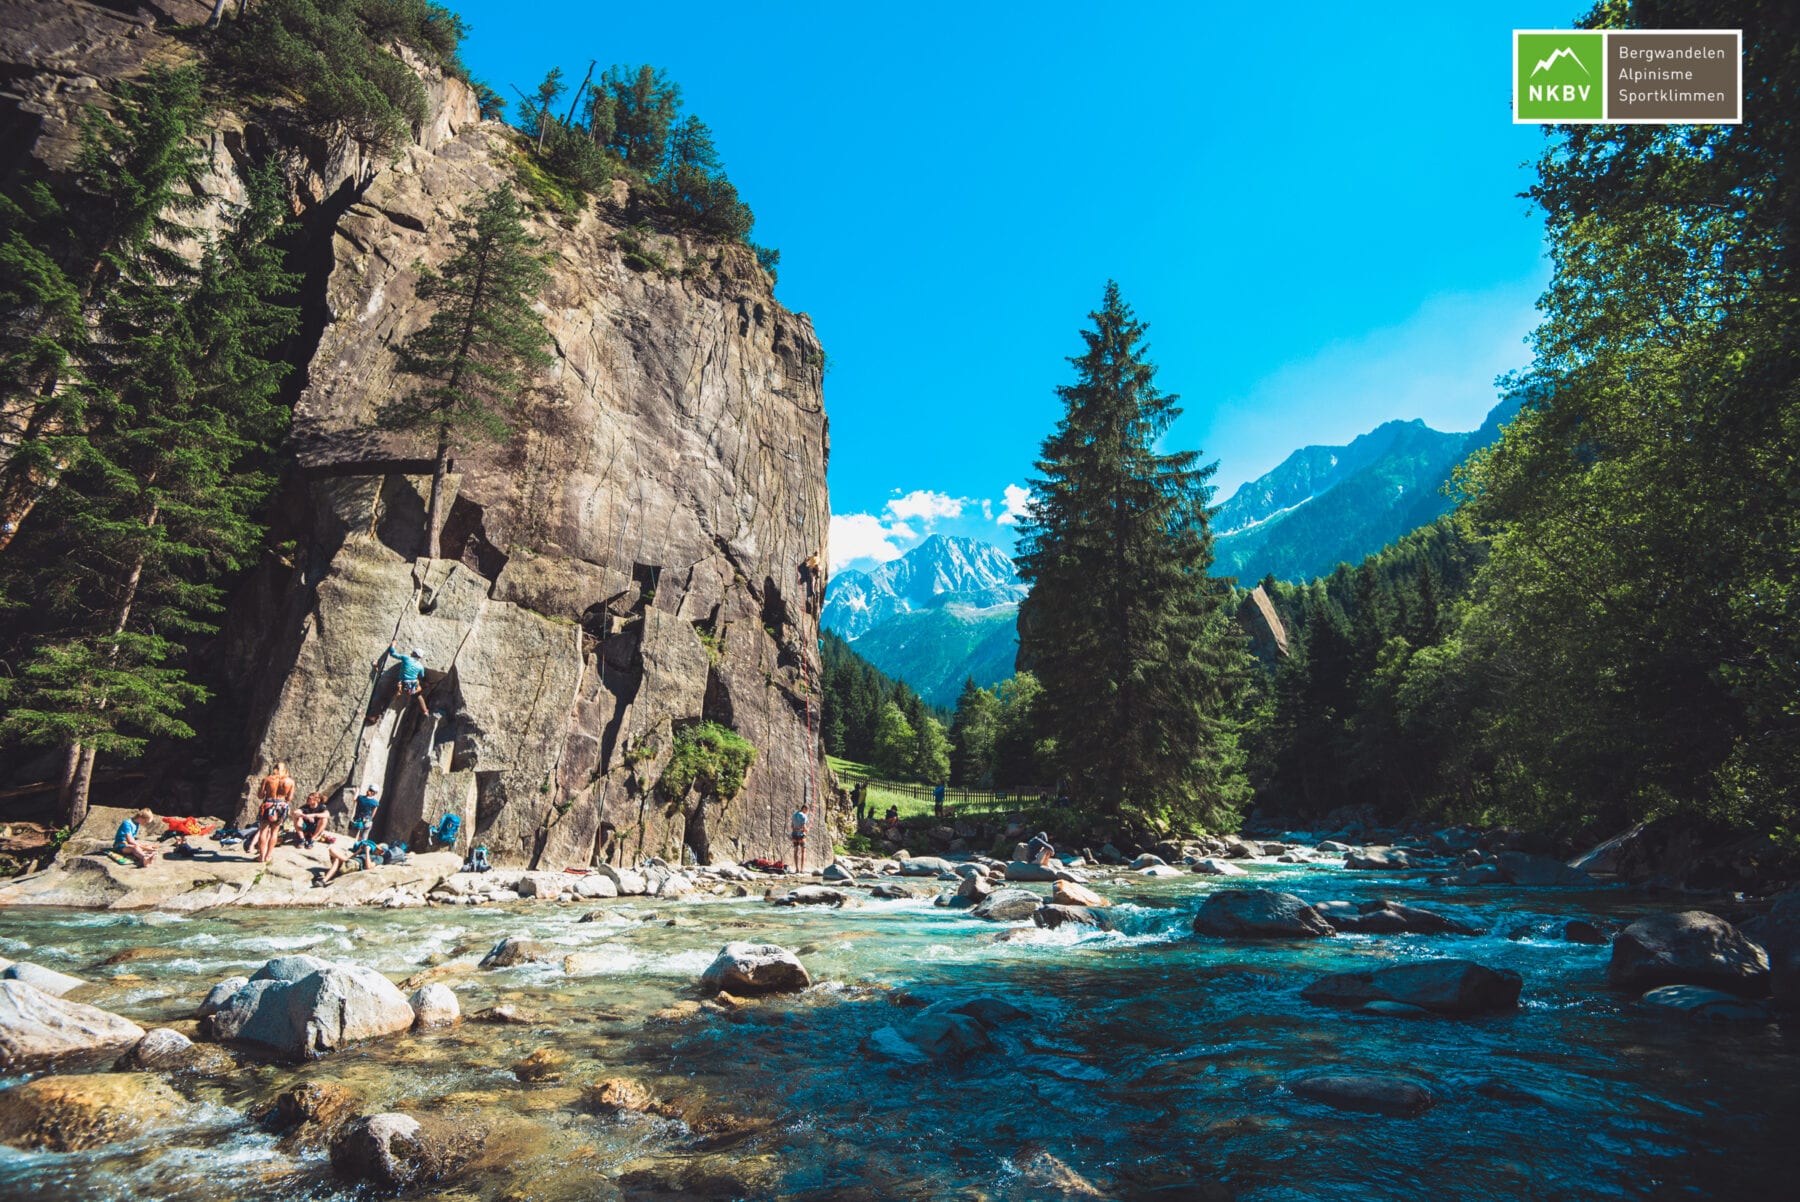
1140,664
482,345
159,496
547,93
972,735
892,752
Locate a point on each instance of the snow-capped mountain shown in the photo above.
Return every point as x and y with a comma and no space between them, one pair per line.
942,569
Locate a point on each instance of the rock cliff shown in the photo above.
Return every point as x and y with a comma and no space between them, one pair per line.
630,562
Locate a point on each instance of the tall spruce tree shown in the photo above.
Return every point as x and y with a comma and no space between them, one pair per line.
972,735
483,344
1140,664
159,495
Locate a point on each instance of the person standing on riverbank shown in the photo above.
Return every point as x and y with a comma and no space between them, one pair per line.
275,796
800,823
362,822
126,841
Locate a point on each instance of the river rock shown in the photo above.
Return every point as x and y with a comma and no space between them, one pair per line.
1159,870
1148,860
924,866
37,1028
755,968
1581,930
312,1112
1691,948
288,968
594,885
948,1037
1213,866
1441,986
617,1094
401,1152
1069,893
628,881
973,891
811,895
434,1005
835,871
1475,874
1053,916
1701,1004
542,1065
1369,1092
159,1050
515,950
1258,914
508,1014
1023,870
1008,905
44,980
84,1110
888,891
1392,918
1239,849
219,994
1379,859
987,1010
1332,847
1522,868
325,1010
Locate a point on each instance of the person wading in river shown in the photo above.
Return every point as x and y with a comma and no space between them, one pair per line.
274,797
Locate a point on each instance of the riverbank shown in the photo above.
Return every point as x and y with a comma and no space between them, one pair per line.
940,1054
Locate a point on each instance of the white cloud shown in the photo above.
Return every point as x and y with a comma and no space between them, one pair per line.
925,505
863,536
987,509
1017,503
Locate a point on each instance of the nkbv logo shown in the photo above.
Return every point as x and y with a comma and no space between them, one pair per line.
1558,76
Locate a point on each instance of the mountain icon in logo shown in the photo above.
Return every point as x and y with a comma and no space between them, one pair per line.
1544,64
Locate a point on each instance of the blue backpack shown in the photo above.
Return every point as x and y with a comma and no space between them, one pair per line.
447,829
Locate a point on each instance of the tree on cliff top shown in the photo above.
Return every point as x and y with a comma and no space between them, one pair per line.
481,347
1132,642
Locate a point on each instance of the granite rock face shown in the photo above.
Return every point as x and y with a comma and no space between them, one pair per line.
633,560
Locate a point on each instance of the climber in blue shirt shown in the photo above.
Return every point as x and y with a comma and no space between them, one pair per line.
412,679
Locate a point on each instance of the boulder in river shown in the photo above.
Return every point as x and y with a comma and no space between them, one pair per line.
1259,914
1441,986
973,891
434,1005
1069,893
811,895
594,886
1008,905
835,871
165,1050
888,891
219,994
1582,930
327,1009
1700,1004
1778,932
936,1036
1213,866
1025,870
514,950
1690,948
84,1110
401,1152
44,980
989,1011
1053,916
1392,918
312,1112
1380,859
628,881
1148,860
1369,1092
925,866
755,968
37,1028
1523,868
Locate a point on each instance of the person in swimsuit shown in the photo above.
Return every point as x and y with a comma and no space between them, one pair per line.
800,823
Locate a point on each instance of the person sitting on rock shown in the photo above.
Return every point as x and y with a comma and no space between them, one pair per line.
128,841
412,679
893,818
360,856
309,824
1038,851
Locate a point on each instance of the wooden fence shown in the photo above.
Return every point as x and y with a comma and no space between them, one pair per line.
959,799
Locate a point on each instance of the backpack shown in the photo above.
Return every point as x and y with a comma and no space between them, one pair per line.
447,829
396,853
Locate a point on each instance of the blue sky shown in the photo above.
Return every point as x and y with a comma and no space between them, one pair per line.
1315,208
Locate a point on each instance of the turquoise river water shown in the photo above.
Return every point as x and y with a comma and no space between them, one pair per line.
1152,1063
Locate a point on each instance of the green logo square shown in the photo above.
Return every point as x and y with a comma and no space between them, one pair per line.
1559,76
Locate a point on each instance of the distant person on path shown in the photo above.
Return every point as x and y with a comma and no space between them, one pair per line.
937,801
275,796
309,824
1038,850
800,823
362,821
412,680
128,840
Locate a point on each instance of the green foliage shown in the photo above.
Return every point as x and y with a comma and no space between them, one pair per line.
710,757
972,735
892,751
484,341
333,57
1140,663
175,381
1024,750
853,692
769,259
640,255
